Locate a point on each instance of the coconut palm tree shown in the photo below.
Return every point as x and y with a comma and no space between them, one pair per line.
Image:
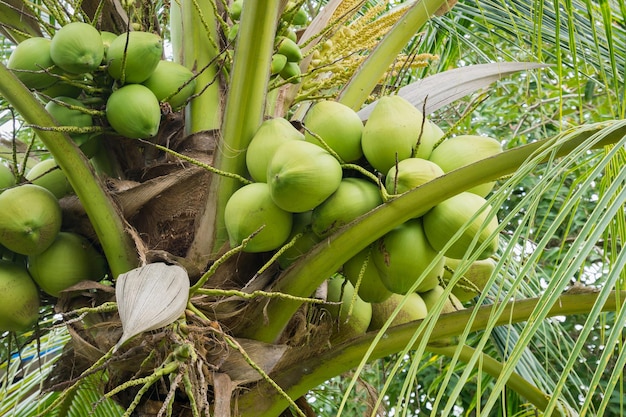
255,337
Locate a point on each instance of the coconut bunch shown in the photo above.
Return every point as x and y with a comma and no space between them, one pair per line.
90,78
307,184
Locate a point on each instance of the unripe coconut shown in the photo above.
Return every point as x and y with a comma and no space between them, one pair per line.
411,173
447,217
166,81
278,63
338,125
134,111
270,135
28,61
413,309
138,52
403,254
107,38
30,219
48,175
19,298
7,179
234,10
432,297
77,48
291,72
349,324
302,175
250,208
67,116
391,132
308,239
290,49
463,150
69,260
473,280
431,134
353,198
371,287
60,89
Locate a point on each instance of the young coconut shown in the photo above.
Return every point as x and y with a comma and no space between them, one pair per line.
391,132
414,308
308,239
410,173
352,314
7,178
19,298
464,150
133,111
48,175
353,198
473,280
77,48
444,220
166,81
432,297
251,210
30,219
69,260
338,126
403,255
133,56
30,61
66,111
302,175
371,287
270,135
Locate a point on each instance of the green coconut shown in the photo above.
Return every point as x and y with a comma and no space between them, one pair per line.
351,313
292,72
414,308
133,111
29,61
107,38
77,48
19,298
30,219
353,198
66,111
403,255
289,49
133,56
391,132
338,126
463,150
278,63
432,297
48,175
473,281
444,220
69,260
302,175
431,134
251,209
270,135
7,178
371,287
172,82
411,173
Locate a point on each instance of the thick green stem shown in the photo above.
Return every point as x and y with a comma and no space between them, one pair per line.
305,275
378,62
306,371
105,218
243,115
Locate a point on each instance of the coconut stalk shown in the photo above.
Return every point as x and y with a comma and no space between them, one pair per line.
304,374
243,114
105,217
305,275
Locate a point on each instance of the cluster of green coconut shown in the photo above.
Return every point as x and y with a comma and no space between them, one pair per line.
83,73
287,54
36,253
306,187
